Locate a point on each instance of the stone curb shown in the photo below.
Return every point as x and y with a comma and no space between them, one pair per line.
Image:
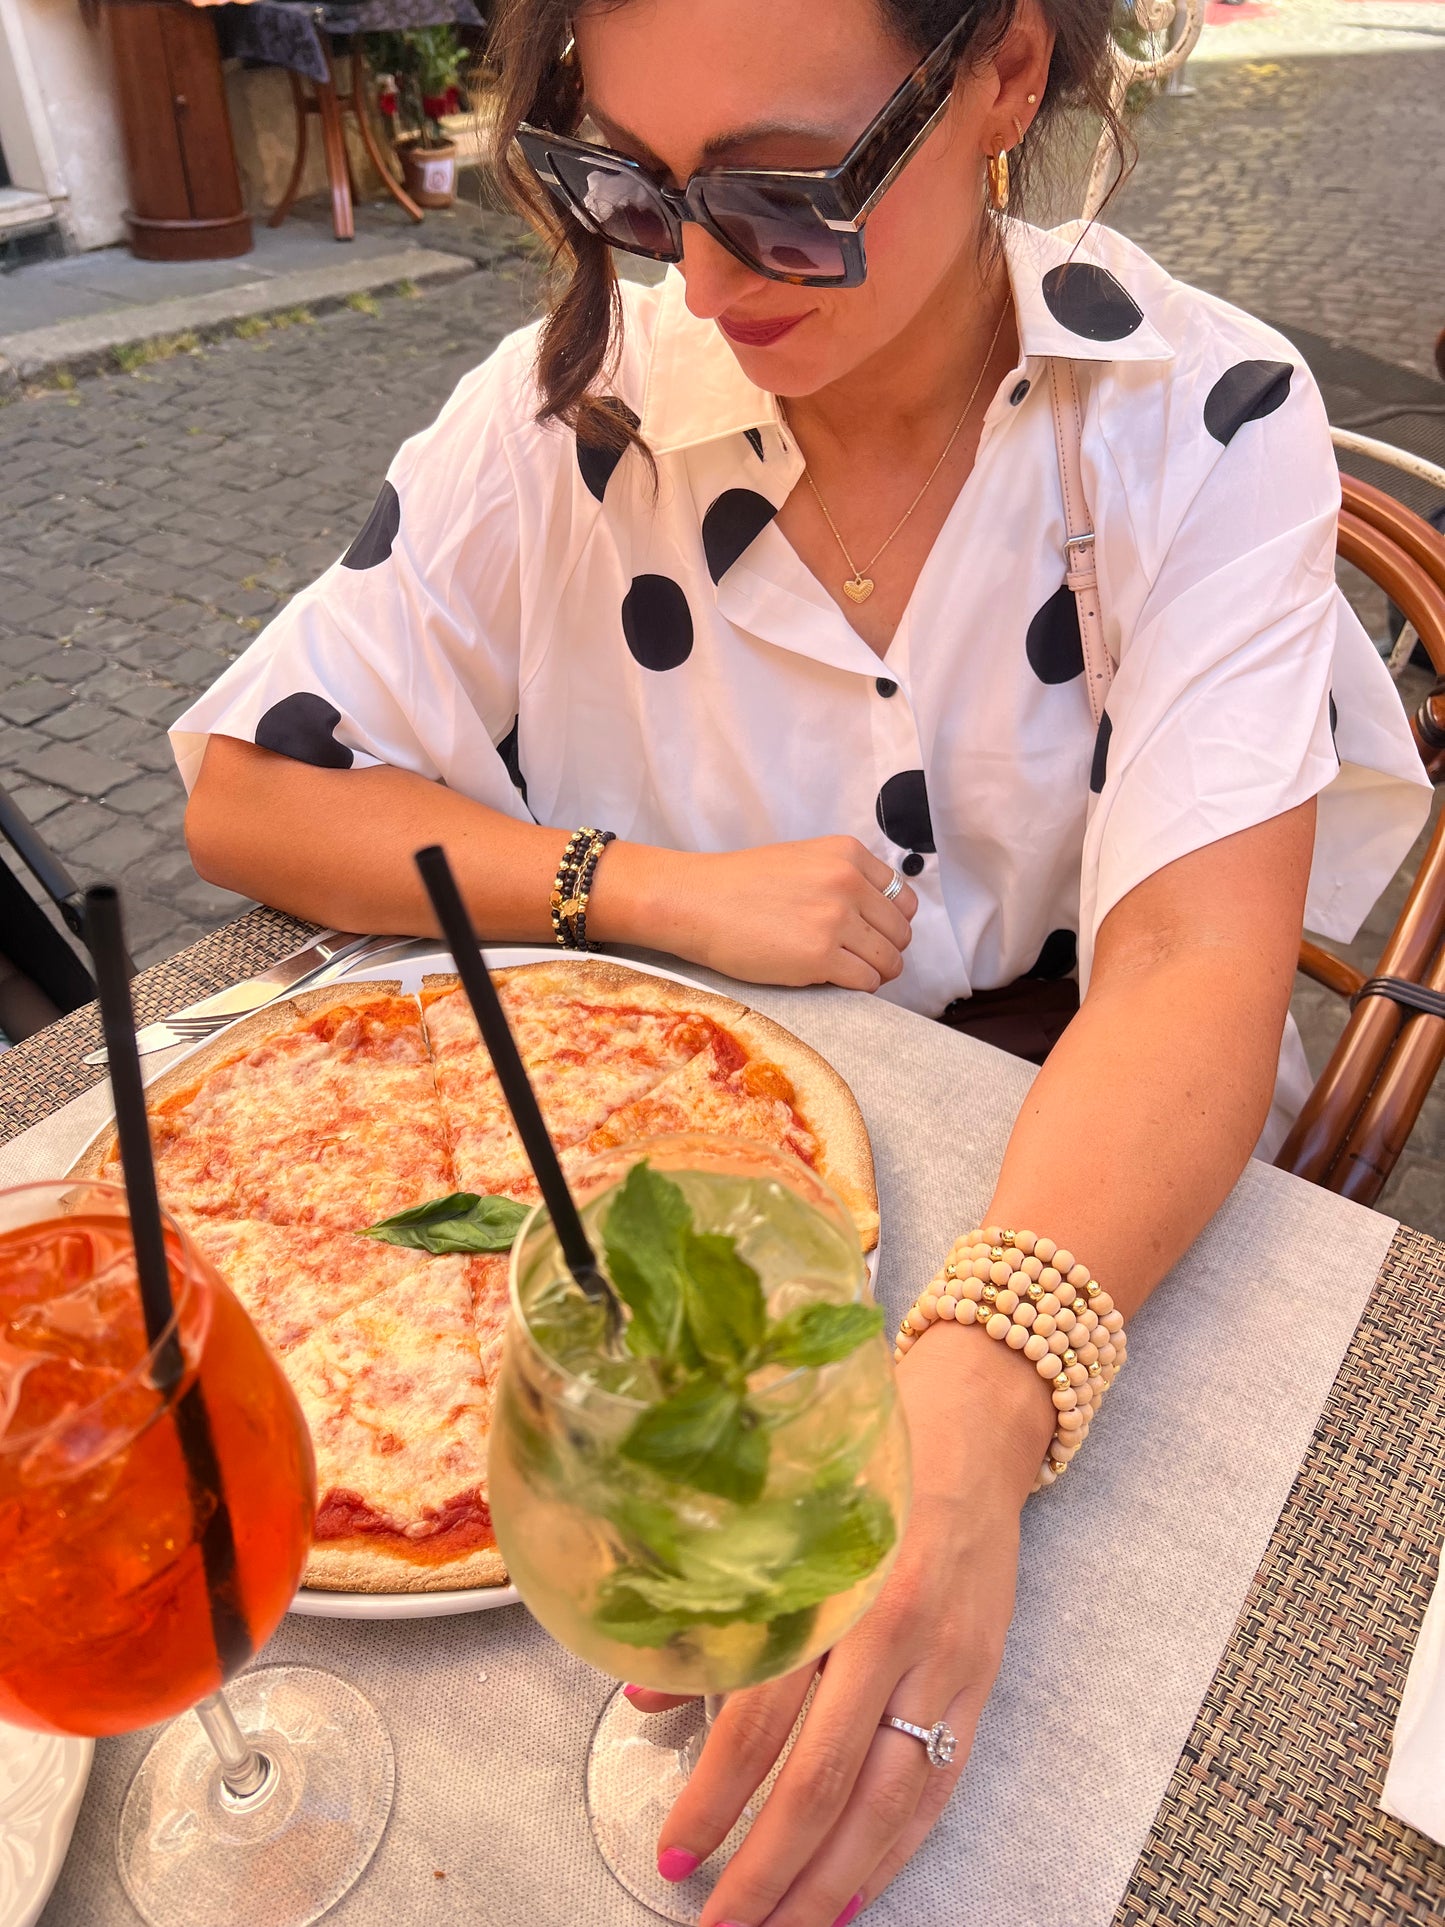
86,345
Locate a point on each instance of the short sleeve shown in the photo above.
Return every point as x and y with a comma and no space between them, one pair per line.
1246,685
406,651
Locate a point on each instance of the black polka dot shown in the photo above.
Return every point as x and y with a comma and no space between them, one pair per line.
1019,392
1088,301
1058,956
885,687
912,864
1334,724
300,727
1245,393
595,459
1053,645
507,750
373,545
657,622
755,442
902,809
733,523
1099,768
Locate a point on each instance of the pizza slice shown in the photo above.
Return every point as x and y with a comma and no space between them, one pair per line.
293,1279
590,1043
399,1407
321,1110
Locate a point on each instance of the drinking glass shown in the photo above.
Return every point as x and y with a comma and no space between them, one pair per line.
661,1583
153,1528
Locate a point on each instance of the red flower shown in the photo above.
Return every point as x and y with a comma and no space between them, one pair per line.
454,101
434,104
386,103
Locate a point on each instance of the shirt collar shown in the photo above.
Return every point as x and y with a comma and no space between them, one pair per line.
1066,300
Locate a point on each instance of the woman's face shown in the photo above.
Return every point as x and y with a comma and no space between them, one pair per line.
791,84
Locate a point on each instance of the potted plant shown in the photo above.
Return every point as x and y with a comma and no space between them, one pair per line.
419,73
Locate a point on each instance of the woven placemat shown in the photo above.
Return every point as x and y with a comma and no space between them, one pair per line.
46,1071
1272,1814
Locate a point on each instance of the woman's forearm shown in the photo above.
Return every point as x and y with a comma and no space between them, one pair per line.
336,846
1149,1106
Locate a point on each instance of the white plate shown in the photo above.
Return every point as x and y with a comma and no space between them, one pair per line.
401,1605
42,1778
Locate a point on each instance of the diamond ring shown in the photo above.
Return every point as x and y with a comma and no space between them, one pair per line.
938,1741
895,887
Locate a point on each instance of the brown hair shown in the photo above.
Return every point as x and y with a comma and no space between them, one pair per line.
529,41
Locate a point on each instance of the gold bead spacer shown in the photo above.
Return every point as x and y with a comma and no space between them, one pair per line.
1036,1291
1071,1357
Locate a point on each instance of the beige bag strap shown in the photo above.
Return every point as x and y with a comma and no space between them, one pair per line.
1080,575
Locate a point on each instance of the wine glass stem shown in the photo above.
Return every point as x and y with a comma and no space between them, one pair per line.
244,1770
712,1704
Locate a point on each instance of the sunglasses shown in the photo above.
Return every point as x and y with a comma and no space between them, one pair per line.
804,226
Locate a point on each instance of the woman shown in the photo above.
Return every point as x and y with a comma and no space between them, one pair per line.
766,573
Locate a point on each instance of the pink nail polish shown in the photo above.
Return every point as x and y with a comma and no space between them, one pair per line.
676,1863
631,1692
854,1907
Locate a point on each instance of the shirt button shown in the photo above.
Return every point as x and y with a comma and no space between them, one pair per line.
911,864
886,688
1019,392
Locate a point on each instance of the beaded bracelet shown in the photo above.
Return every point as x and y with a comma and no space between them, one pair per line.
1033,1297
583,890
583,848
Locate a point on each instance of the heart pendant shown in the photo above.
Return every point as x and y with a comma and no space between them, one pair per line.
859,589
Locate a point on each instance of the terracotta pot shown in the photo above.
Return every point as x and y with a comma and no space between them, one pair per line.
431,174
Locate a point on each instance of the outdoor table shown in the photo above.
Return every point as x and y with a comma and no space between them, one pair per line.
1216,1608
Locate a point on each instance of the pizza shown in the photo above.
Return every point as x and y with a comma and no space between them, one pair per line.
282,1139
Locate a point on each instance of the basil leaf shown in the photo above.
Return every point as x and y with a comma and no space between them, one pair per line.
821,1334
462,1222
706,1436
723,1295
643,1239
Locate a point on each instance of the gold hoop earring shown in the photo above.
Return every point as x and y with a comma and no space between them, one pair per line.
998,180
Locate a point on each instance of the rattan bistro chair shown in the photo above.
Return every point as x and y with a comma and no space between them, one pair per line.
1362,1109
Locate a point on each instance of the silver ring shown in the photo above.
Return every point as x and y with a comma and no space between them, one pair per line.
895,886
938,1741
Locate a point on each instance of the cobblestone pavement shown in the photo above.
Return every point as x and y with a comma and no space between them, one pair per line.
1309,191
154,521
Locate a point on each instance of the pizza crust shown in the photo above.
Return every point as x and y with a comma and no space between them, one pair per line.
361,1564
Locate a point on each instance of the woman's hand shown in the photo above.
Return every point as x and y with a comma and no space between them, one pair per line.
787,913
853,1801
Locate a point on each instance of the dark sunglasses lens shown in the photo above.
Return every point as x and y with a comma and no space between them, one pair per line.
776,227
623,204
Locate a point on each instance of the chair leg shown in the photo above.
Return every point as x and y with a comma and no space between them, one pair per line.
293,186
358,103
333,139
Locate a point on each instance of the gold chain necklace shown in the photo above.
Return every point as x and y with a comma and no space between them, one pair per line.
859,585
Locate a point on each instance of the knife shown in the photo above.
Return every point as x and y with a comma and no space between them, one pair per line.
332,947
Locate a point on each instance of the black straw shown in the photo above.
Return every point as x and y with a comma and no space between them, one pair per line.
106,940
214,1533
436,874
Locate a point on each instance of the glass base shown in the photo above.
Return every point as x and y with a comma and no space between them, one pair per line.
192,1854
637,1765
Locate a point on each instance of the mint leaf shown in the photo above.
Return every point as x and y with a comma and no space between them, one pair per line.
624,1615
643,1236
706,1436
462,1222
723,1296
821,1334
845,1533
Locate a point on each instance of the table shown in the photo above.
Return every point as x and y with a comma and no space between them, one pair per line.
1270,1812
296,35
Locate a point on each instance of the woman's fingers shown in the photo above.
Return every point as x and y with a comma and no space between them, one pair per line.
742,1748
646,1701
814,1786
898,1796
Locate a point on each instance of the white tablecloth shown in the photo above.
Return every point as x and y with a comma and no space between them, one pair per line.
1140,1559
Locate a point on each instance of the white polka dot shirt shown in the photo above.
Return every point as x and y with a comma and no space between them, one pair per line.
522,619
